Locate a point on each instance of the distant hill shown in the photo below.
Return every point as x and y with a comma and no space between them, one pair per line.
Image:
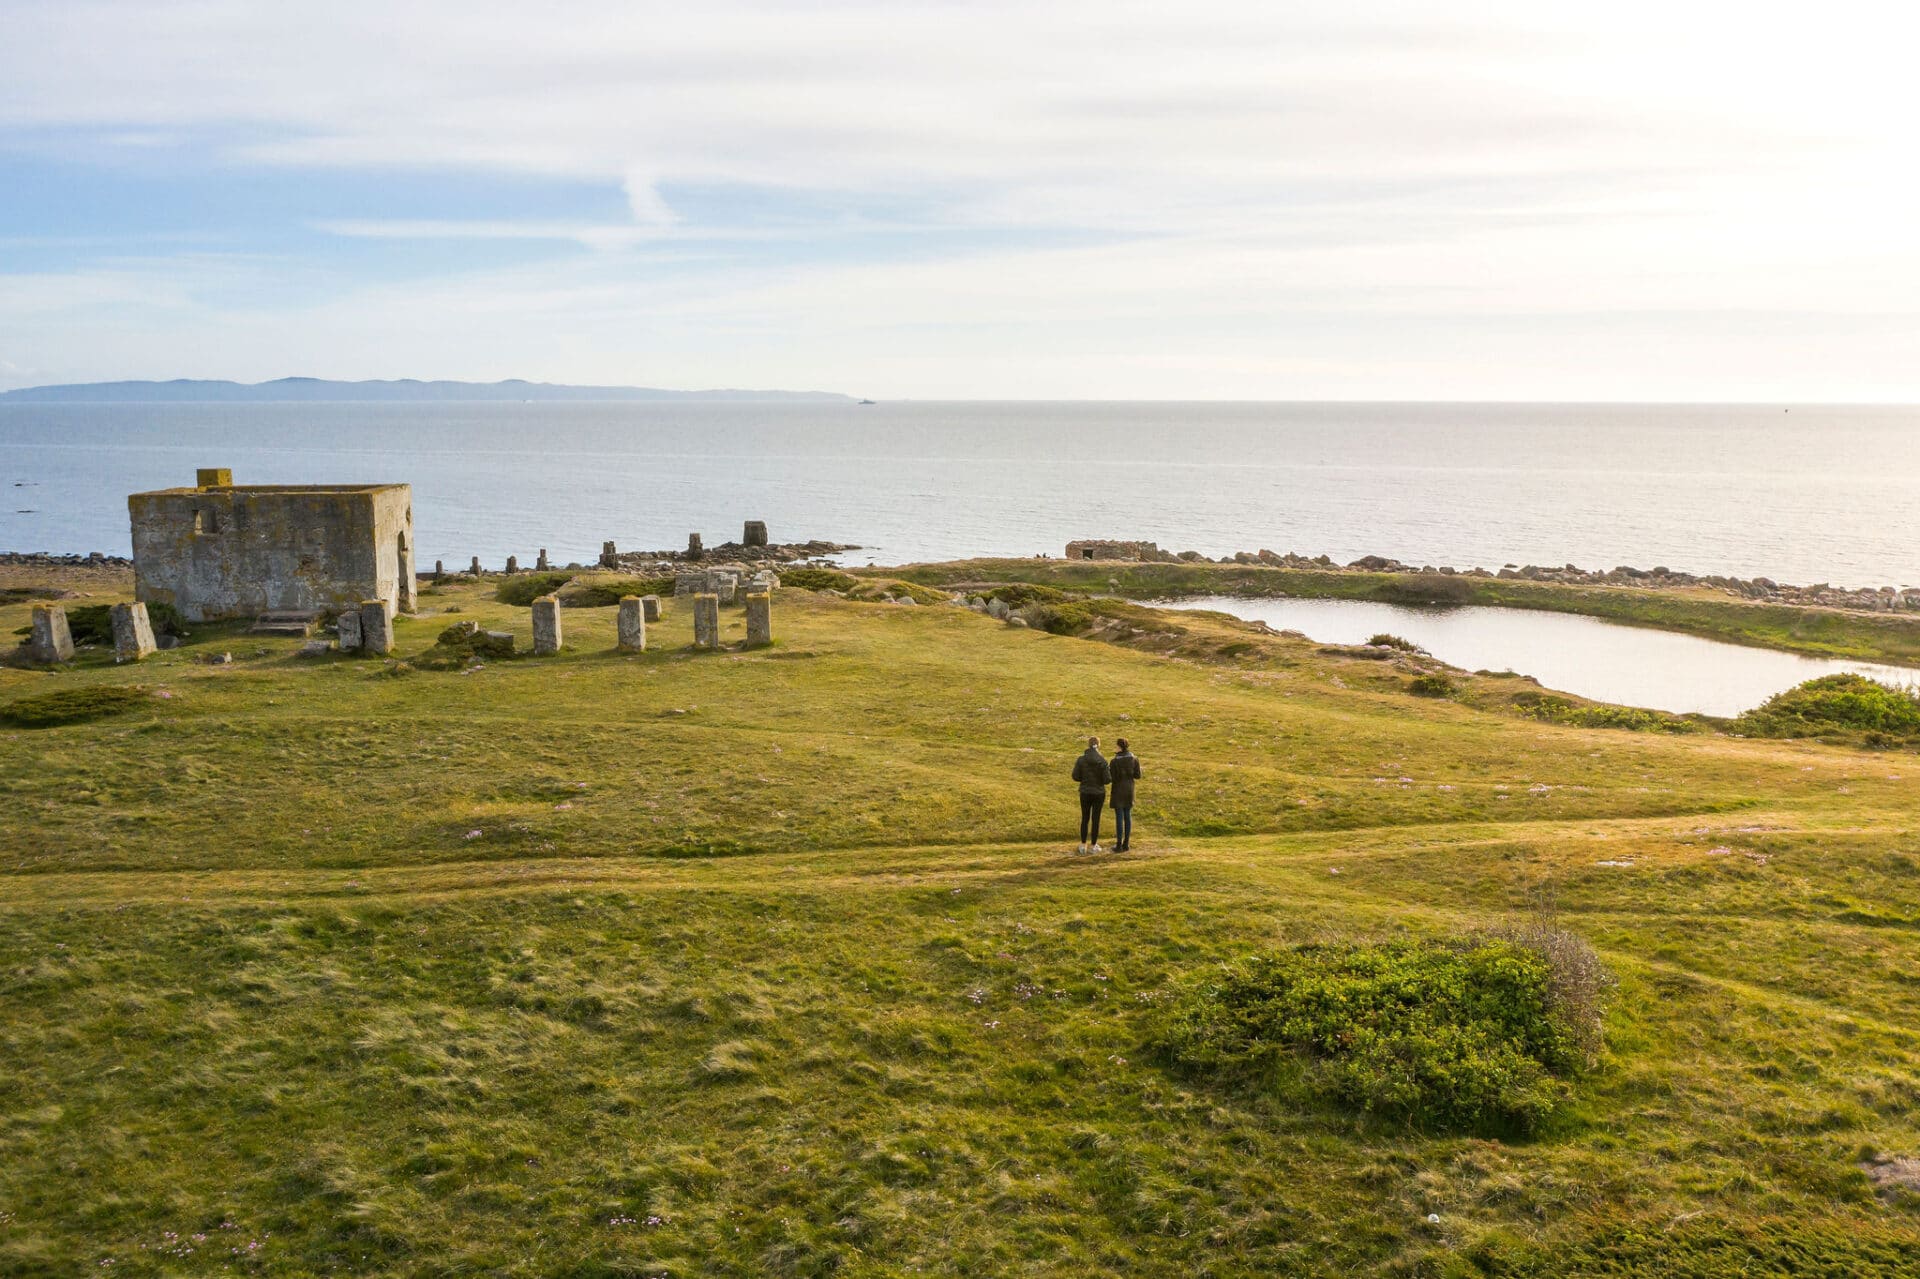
313,389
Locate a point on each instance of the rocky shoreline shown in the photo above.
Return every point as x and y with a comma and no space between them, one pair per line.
1759,589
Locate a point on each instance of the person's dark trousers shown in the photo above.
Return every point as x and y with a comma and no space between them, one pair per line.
1090,806
1122,826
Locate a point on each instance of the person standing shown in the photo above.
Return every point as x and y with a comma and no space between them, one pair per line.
1125,771
1090,770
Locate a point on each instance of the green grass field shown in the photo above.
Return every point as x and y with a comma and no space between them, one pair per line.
781,963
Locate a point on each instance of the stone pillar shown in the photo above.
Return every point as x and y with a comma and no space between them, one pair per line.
694,548
650,608
132,633
755,534
349,627
513,565
609,557
52,638
475,570
633,625
759,619
706,621
439,571
213,477
541,563
376,627
546,624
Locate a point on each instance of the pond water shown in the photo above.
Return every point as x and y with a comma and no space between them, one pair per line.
1629,665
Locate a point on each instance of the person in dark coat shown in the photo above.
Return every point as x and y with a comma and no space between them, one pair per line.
1090,770
1124,768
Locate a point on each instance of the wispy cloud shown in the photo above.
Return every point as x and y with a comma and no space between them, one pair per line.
1056,197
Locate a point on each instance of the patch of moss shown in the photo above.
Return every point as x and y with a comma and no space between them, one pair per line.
605,592
816,579
72,706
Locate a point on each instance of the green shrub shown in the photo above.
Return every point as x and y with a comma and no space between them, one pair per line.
1020,594
72,706
1560,710
816,579
1475,1036
1385,640
1058,619
605,592
1431,685
93,623
1837,703
521,590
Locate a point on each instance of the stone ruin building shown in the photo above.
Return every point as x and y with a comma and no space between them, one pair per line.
223,550
1101,549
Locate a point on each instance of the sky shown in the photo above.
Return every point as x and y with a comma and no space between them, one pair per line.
1199,200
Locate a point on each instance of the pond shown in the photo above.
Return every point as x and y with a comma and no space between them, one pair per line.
1606,661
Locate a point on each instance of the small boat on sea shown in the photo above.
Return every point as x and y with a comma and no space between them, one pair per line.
866,401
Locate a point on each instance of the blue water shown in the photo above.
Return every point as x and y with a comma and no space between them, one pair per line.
1815,494
1630,665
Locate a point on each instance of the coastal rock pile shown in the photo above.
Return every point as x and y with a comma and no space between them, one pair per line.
45,559
733,553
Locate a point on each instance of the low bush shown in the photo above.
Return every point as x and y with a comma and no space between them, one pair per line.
1431,685
522,589
1560,710
816,579
1386,640
1474,1035
605,592
72,706
1020,594
1058,619
1425,588
1837,704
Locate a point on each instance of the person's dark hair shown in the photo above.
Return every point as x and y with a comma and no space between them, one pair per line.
1121,742
1092,743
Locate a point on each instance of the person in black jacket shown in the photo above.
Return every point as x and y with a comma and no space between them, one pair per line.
1090,770
1125,771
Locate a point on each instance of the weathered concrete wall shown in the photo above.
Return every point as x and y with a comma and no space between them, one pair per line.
632,625
132,633
238,551
706,621
546,624
759,619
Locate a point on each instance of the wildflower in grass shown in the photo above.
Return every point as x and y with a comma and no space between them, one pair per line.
473,834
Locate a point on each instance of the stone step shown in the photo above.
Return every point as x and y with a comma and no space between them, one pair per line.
284,622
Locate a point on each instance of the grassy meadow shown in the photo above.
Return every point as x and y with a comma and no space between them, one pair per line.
782,963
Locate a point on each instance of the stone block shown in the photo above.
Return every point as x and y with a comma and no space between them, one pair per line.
546,625
541,563
349,627
724,585
695,549
132,632
706,621
755,534
650,608
439,571
759,619
376,627
52,638
609,555
316,648
513,565
213,477
632,625
692,582
475,569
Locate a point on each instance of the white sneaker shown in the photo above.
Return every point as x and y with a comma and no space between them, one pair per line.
1081,849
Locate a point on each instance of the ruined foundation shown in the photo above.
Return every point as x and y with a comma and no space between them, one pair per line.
609,555
376,627
52,638
546,625
706,621
755,534
632,625
132,633
759,619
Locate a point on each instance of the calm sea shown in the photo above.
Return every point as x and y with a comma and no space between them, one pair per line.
1802,495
